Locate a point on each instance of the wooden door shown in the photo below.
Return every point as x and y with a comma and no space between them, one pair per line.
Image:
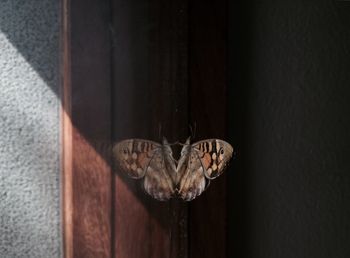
130,68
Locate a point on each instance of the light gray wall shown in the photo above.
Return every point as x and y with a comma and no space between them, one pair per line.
29,129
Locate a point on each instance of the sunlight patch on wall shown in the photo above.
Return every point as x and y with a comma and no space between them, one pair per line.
29,130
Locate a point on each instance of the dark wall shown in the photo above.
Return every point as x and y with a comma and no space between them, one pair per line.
290,123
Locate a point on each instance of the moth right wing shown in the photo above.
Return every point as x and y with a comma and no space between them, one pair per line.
191,180
214,155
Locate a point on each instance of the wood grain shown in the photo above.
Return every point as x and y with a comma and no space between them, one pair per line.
150,91
86,121
208,110
91,200
66,137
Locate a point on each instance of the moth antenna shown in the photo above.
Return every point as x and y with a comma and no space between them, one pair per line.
160,131
193,130
234,155
165,142
188,142
174,143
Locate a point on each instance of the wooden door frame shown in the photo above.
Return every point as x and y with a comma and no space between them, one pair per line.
86,129
87,178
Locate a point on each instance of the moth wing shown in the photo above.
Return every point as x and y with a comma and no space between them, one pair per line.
214,155
134,155
191,179
158,180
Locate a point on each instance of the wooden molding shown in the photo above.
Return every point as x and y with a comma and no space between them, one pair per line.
66,136
86,130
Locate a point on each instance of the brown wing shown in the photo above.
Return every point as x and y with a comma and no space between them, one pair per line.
134,155
214,155
158,178
148,160
191,180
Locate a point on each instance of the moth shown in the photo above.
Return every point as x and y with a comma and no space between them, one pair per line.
165,177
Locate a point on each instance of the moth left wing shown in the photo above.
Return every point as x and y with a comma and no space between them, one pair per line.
134,155
214,155
151,161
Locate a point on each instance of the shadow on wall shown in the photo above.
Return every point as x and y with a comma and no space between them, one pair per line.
32,28
29,126
289,96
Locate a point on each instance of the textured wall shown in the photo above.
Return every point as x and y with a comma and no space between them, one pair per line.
290,95
29,129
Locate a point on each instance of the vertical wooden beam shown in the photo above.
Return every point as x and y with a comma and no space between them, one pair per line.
86,121
208,98
150,90
66,136
169,83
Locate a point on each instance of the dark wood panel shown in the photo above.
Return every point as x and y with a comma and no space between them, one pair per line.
87,80
208,110
152,44
91,200
150,91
